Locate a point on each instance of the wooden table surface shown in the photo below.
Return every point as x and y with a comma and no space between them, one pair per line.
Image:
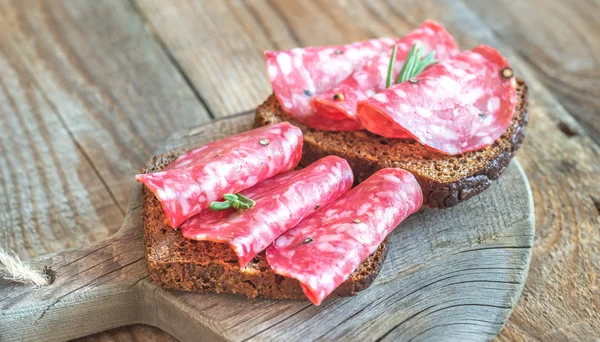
89,90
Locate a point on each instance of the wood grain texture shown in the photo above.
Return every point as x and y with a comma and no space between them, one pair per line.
94,288
86,97
449,274
136,333
112,73
200,38
561,43
559,153
50,197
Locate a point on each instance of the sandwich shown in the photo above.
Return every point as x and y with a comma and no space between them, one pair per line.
354,139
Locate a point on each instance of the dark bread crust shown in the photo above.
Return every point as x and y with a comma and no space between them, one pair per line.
175,262
445,180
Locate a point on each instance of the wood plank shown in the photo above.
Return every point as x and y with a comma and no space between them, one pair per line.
88,95
50,196
452,274
219,54
561,42
94,287
134,333
107,78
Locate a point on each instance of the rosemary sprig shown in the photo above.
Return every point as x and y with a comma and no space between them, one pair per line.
236,201
408,64
388,81
425,62
413,65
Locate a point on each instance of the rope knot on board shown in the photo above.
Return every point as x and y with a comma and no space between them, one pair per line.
20,272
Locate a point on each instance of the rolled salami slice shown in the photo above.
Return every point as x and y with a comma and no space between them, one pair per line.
341,100
203,175
459,105
281,203
299,74
322,251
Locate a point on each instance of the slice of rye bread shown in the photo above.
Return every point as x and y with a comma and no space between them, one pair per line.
175,262
445,180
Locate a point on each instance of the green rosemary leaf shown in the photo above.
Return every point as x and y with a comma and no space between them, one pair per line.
414,64
217,206
230,197
425,62
388,81
248,201
236,201
402,76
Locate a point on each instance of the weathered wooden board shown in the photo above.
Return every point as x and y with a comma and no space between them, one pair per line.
454,273
561,42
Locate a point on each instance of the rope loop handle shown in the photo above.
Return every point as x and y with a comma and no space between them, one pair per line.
20,272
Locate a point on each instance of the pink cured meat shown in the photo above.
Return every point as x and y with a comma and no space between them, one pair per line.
281,203
203,175
298,74
322,251
371,78
459,105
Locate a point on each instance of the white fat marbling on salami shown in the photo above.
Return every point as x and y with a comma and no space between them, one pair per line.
272,70
424,112
297,75
281,203
203,175
371,78
381,98
493,104
285,63
470,102
323,250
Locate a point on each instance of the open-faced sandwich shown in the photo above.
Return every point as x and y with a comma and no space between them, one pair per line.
409,122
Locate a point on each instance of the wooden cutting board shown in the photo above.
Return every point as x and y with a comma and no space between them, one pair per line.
450,274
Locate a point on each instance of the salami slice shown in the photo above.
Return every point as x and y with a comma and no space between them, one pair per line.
299,74
281,202
459,105
340,101
322,251
203,175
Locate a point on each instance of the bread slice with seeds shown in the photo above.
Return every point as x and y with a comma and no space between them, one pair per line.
445,180
175,262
